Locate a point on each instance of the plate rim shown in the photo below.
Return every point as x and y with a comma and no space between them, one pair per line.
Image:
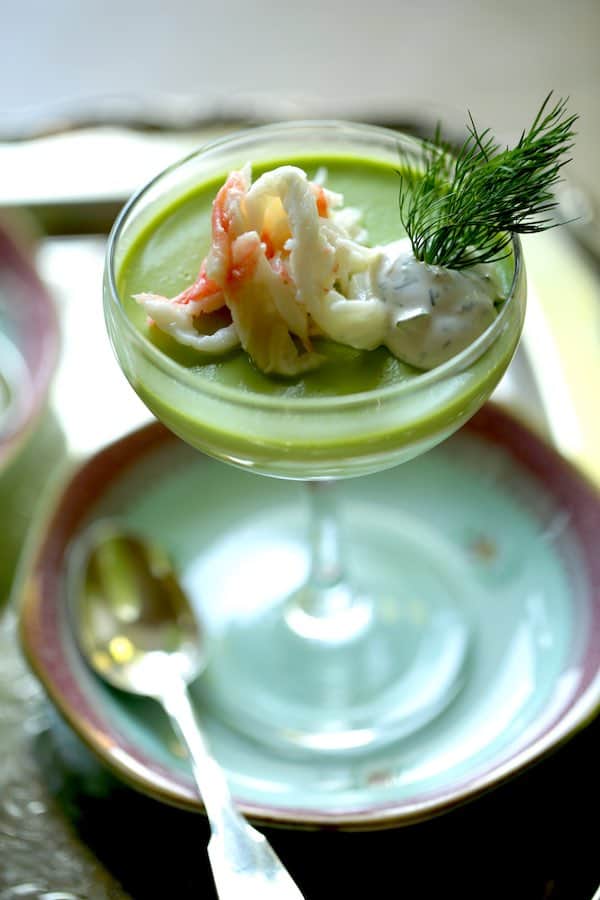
88,483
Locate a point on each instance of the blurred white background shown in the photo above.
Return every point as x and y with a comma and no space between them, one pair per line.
371,59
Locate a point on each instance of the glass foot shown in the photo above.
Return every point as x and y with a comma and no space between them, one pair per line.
383,666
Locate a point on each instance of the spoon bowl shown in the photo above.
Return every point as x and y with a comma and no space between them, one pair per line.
131,615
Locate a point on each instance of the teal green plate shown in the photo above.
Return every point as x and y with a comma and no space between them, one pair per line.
525,521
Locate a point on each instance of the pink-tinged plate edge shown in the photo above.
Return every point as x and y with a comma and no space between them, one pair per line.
37,325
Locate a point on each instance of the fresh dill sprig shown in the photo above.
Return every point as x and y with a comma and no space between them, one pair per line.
460,208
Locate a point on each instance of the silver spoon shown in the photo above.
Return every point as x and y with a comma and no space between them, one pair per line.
136,629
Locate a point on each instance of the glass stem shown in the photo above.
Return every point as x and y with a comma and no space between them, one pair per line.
326,610
327,594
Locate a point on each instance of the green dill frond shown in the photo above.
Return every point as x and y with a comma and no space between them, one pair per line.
460,208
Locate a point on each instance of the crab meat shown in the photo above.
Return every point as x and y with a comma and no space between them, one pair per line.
284,262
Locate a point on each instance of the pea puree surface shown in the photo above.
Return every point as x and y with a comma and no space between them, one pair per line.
344,419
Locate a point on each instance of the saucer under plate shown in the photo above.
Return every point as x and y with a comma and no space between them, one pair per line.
525,521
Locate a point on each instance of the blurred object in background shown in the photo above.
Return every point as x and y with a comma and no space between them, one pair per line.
21,486
173,65
31,446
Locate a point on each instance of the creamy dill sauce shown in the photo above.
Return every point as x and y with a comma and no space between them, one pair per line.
167,254
433,313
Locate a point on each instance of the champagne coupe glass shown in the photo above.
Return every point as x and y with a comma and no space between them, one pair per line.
374,642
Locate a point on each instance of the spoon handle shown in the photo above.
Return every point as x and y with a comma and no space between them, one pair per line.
243,862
